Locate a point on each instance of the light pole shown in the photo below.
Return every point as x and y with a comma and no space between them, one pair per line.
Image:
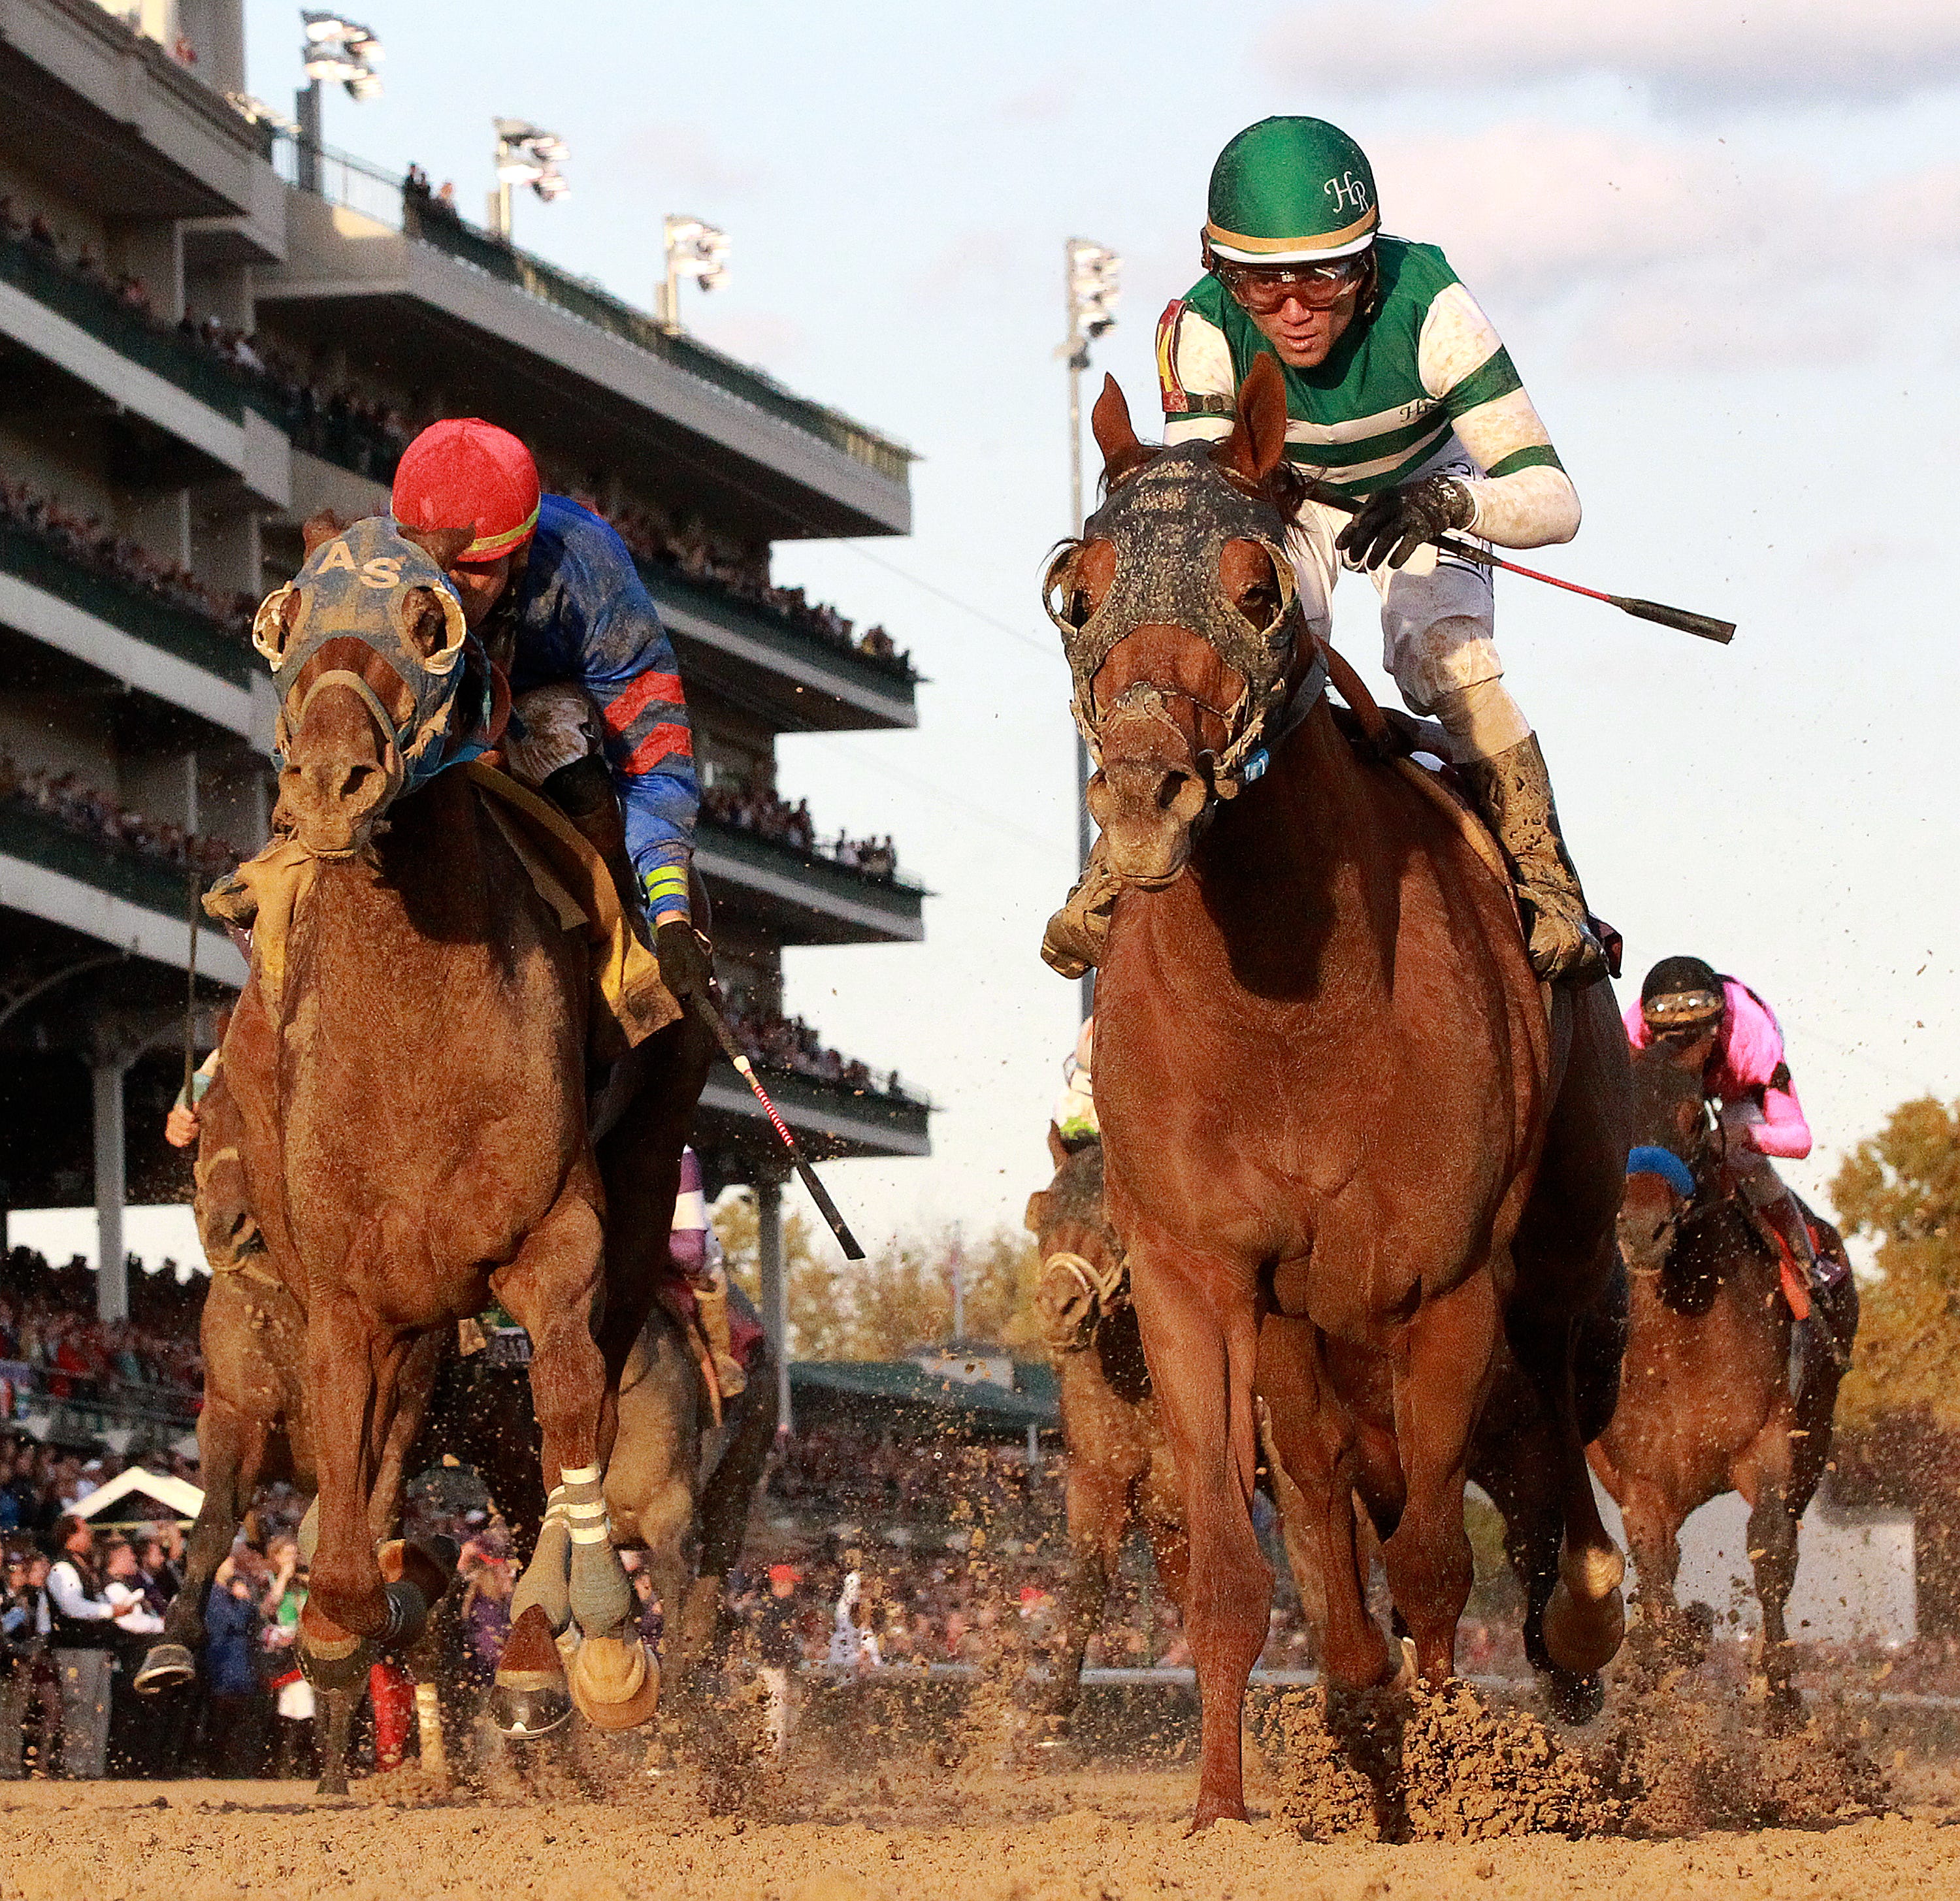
1093,275
526,154
335,50
692,248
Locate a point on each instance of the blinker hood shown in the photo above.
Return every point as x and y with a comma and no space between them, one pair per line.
357,586
1169,524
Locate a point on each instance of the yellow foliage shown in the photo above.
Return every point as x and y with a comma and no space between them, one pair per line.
901,1297
1900,1188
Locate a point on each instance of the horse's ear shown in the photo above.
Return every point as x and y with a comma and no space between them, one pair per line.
1257,444
319,530
442,546
1057,1147
1037,1212
424,624
1115,436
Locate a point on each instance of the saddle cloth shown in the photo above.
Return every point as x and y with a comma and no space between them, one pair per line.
628,1001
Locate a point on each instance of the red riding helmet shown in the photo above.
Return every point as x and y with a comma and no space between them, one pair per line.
468,473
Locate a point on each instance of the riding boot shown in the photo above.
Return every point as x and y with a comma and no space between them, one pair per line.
1786,1217
582,791
1074,942
1512,793
710,1302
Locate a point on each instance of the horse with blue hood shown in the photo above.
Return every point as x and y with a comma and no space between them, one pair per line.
407,1069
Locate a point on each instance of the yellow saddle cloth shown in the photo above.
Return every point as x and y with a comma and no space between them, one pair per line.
629,1002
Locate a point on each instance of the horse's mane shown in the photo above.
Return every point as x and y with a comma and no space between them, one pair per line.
1077,1191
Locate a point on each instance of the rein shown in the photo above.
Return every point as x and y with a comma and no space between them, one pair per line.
1102,1289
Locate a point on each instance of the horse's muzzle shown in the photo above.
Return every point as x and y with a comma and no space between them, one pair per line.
1148,810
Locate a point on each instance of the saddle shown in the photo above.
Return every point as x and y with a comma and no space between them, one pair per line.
629,1002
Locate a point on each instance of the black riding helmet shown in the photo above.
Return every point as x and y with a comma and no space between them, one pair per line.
1681,993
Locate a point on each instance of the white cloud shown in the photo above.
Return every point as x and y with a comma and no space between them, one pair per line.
1679,252
1687,50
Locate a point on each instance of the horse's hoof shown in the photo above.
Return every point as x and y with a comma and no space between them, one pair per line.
1574,1697
1211,1810
167,1667
534,1706
333,1783
1582,1637
615,1682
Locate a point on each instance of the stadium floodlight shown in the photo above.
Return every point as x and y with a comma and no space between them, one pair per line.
526,154
695,249
340,51
1093,275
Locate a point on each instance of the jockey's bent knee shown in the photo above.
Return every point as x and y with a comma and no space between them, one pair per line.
1482,720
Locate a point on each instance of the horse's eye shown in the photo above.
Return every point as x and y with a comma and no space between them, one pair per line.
1259,602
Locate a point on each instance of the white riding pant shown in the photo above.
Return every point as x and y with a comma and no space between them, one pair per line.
1754,1173
561,726
1436,613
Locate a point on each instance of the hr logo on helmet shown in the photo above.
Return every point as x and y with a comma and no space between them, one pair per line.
1348,189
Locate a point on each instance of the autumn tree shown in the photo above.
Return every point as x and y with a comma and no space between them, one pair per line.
876,1309
1900,1189
1898,1412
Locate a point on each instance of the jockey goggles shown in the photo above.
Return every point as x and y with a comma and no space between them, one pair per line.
1264,288
1677,1010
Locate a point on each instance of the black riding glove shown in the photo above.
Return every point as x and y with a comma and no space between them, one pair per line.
1394,524
686,968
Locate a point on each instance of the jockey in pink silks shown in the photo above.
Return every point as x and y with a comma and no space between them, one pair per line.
1734,1034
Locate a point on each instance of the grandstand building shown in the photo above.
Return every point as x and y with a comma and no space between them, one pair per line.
207,333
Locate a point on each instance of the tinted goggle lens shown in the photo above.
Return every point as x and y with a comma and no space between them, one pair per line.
1264,288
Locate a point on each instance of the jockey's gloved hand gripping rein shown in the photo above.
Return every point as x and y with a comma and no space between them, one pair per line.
1390,527
685,967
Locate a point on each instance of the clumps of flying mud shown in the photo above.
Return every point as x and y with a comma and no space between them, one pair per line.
1439,1765
1684,1757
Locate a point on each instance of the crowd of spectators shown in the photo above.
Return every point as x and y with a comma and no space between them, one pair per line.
781,823
71,801
367,432
663,541
775,1041
89,541
52,1341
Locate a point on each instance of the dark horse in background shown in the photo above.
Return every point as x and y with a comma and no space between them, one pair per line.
1705,1401
1121,1476
1350,1143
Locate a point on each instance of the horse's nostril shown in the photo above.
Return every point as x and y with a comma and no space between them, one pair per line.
1174,782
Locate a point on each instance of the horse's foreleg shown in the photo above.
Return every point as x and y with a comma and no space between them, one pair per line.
1586,1618
346,1599
552,1288
1763,1477
231,1453
1310,1439
1442,1371
1201,1362
1099,1492
1652,1524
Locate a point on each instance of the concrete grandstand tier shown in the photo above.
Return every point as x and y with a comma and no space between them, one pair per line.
503,334
803,897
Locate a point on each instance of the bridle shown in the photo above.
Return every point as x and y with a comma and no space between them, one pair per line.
1105,1289
1168,523
357,586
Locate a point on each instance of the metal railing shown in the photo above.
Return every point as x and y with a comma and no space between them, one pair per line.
189,635
343,180
900,894
94,307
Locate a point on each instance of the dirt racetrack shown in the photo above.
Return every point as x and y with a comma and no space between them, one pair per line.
890,1833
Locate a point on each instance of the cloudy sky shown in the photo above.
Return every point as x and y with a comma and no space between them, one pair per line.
1724,244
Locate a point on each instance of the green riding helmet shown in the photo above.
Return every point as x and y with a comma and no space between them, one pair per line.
1291,191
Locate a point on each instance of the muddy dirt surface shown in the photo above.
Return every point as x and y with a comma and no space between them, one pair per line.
901,1831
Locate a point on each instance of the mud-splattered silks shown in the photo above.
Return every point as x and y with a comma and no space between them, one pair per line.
1169,524
357,586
